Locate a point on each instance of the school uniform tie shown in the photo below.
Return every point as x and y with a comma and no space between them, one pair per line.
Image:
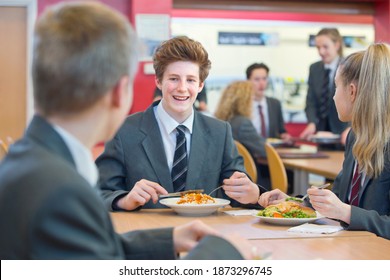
356,182
263,130
180,167
325,95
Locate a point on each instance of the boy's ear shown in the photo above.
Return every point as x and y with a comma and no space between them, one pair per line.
120,91
201,85
157,82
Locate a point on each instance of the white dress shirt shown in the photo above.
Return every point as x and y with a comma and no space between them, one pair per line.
333,67
82,156
167,127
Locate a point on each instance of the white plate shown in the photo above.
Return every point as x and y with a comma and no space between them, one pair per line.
194,209
289,221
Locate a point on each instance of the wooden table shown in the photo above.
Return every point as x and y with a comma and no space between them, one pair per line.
348,248
328,166
248,226
267,237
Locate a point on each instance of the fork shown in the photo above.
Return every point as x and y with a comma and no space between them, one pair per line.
306,195
179,193
215,190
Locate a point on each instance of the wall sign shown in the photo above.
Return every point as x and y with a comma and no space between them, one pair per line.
152,29
246,38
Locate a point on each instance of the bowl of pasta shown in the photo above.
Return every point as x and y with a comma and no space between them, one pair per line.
194,204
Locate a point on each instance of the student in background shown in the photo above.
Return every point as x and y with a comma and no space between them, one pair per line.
320,109
83,65
173,147
360,197
267,115
235,107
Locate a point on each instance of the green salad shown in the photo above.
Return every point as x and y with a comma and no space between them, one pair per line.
287,210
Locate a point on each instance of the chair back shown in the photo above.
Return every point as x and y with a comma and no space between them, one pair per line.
277,170
249,163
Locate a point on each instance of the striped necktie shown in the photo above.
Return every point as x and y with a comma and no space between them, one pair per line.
262,122
356,182
180,167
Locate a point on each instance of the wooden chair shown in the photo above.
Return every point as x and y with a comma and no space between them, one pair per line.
3,149
249,163
277,170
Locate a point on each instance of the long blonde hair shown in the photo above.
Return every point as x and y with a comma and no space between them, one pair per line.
370,70
235,100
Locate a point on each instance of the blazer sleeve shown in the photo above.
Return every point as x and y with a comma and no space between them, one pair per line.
231,161
214,248
370,220
149,244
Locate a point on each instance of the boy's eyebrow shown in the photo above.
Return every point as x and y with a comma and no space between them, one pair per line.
187,76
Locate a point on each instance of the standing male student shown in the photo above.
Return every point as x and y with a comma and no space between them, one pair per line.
83,65
267,115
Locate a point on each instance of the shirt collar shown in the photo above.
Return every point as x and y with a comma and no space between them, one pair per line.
169,123
333,65
263,102
82,156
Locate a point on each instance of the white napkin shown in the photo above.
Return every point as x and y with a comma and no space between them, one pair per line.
245,212
314,228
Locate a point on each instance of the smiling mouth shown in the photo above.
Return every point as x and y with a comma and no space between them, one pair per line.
181,98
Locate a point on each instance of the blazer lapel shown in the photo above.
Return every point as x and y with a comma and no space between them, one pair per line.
154,149
199,150
364,186
271,120
345,193
348,167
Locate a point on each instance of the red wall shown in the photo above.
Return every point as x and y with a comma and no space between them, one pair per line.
382,21
144,85
257,15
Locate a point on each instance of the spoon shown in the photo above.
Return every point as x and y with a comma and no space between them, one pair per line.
306,195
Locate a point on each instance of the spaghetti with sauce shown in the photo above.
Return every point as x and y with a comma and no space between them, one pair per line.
196,198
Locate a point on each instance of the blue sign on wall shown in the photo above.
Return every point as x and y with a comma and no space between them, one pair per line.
245,38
